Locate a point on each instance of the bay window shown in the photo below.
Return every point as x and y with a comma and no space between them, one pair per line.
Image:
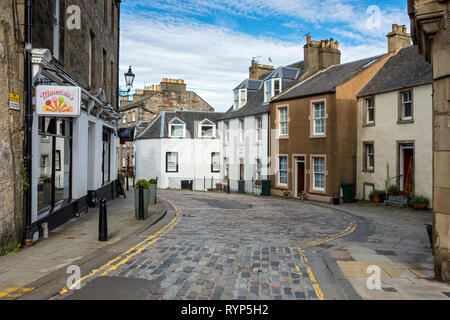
272,87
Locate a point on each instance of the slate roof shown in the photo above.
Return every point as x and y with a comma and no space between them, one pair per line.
255,104
327,80
250,84
406,69
159,127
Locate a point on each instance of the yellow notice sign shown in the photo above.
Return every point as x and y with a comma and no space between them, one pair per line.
14,101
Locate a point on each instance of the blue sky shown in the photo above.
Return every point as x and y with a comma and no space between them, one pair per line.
210,43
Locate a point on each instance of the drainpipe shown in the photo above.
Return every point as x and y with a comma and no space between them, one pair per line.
28,117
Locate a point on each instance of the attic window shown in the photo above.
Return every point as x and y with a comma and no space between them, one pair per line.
272,87
207,129
240,98
177,128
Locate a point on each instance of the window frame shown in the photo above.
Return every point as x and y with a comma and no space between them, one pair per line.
258,129
313,174
366,111
279,122
207,123
312,118
241,131
177,124
217,155
176,163
401,107
269,93
279,183
366,167
238,95
226,133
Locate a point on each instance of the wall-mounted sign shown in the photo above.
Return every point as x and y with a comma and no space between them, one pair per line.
14,101
58,101
126,134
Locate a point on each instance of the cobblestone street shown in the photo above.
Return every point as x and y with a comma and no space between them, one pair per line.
239,247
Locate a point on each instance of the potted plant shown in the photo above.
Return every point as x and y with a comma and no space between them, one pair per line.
153,188
377,196
393,190
303,196
420,203
286,193
146,185
219,186
258,183
336,200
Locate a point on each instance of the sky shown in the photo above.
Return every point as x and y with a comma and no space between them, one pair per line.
210,43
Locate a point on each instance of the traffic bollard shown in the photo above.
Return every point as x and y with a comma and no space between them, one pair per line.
141,203
103,222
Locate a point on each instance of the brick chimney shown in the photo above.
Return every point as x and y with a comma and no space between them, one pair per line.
258,71
319,55
398,38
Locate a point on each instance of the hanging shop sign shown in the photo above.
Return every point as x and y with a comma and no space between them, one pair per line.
58,101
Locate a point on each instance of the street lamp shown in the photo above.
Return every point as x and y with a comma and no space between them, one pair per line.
129,80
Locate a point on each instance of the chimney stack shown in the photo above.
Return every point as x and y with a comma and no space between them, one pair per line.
319,55
258,71
398,38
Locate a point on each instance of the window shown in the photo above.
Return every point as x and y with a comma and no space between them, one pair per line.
282,171
91,60
241,131
258,129
370,111
124,119
283,119
56,14
272,87
258,169
176,130
406,108
319,118
106,164
227,132
319,173
215,162
207,130
55,172
369,157
226,167
133,116
240,98
172,162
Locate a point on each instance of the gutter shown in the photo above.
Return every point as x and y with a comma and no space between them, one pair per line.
28,118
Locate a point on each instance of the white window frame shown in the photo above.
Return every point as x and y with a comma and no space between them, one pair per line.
215,165
316,133
280,171
206,123
240,98
269,89
315,187
226,133
258,126
177,124
176,163
368,109
241,131
133,116
405,118
285,121
369,155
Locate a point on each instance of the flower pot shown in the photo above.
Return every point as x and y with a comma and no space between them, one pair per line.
420,206
377,198
392,193
153,188
146,202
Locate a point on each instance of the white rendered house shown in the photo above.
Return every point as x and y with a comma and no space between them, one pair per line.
180,146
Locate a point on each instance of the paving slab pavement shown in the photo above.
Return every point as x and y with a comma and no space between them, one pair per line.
71,242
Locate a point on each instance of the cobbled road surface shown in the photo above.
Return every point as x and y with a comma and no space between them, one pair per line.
221,246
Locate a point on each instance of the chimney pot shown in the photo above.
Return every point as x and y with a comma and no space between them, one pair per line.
394,27
308,39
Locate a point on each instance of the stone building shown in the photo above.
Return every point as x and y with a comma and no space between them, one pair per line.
430,25
147,103
71,160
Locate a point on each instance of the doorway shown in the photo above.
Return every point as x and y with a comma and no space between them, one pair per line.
407,168
241,170
300,176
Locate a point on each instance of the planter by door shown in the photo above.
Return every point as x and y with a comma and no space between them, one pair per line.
146,202
153,188
377,198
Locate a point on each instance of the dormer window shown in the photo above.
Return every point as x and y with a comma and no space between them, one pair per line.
240,98
207,129
177,129
272,87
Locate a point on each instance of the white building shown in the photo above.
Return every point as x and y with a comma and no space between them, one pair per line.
179,147
395,127
245,126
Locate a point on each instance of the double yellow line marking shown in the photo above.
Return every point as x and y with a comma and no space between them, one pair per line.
15,292
129,254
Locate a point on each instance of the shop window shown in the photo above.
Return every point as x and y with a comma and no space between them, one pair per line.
106,164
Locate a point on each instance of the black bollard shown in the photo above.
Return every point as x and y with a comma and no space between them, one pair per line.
103,222
141,203
228,190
